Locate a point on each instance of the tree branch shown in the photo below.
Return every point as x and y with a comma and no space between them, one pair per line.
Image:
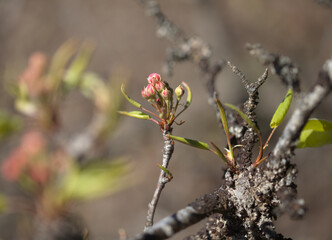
201,208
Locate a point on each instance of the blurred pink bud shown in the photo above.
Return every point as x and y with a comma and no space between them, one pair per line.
166,94
14,165
159,86
150,91
32,143
31,77
179,91
39,173
154,78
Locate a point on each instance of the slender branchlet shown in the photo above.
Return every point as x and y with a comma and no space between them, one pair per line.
163,178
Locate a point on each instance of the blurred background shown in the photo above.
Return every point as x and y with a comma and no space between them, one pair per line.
126,41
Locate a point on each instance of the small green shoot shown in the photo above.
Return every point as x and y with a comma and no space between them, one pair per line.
282,110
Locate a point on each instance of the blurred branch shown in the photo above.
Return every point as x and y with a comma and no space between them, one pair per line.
326,3
279,64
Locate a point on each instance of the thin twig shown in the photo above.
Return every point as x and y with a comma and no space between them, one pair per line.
249,138
163,179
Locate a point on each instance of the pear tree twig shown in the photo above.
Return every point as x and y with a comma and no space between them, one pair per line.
162,181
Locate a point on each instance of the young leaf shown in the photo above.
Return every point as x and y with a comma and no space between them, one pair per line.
219,153
135,114
243,115
191,142
136,104
316,133
223,117
225,125
189,96
282,110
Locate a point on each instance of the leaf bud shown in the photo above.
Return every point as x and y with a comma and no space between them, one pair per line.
179,91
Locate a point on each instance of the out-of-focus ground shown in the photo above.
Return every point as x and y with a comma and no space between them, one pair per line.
126,40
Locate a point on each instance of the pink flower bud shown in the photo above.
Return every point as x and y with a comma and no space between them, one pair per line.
143,93
150,91
159,86
166,94
179,91
154,78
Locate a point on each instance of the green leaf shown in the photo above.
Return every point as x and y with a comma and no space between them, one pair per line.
189,95
136,104
191,142
282,110
93,181
225,125
316,133
243,115
135,114
8,124
219,153
78,65
223,117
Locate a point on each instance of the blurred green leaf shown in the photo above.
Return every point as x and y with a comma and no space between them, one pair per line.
191,142
3,203
78,65
282,110
26,107
136,104
135,114
94,180
316,133
8,124
59,62
243,115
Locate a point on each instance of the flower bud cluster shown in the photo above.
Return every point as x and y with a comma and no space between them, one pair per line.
160,95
